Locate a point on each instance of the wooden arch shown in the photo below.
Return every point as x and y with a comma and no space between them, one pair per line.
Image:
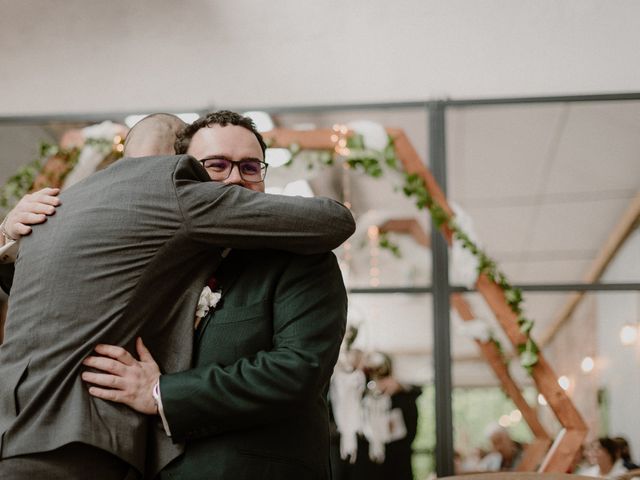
538,455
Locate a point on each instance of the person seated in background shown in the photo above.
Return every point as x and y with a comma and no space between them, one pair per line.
604,454
506,454
471,461
625,453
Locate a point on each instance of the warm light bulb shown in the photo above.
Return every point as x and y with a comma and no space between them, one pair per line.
587,364
564,382
515,416
541,400
504,421
629,334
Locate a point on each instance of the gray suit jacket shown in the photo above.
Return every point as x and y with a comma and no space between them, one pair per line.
127,254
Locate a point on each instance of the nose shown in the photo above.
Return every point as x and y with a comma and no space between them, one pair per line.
234,177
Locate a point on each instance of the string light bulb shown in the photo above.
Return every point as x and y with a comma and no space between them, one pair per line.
629,334
587,364
515,416
564,382
504,421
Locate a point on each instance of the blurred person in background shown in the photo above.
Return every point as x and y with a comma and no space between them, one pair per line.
506,454
389,422
625,453
604,455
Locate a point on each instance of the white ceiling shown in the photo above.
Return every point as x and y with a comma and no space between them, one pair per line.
163,55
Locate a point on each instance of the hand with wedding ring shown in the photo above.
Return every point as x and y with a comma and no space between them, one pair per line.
32,209
126,380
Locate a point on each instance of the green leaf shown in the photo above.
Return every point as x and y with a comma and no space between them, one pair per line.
294,148
355,141
326,158
528,359
526,326
385,243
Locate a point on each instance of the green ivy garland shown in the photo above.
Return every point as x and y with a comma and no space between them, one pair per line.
373,163
21,182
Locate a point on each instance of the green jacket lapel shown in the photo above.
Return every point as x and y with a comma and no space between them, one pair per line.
227,275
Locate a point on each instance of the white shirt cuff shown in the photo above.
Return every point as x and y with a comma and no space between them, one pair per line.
158,398
9,251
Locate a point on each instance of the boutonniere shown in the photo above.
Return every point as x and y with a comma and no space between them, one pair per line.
208,300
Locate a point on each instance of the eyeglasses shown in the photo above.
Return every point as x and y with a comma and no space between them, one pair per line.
252,171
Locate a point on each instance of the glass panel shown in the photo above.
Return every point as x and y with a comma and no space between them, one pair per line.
545,184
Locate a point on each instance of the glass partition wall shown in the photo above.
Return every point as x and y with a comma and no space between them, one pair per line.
548,186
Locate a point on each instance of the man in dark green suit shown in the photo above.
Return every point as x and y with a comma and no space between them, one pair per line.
253,406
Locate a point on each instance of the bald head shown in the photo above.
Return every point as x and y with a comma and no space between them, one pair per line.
153,135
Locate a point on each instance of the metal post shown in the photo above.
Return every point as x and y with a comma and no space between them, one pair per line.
441,303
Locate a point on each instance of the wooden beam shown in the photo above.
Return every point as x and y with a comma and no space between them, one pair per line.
562,452
535,452
308,139
410,226
543,376
616,238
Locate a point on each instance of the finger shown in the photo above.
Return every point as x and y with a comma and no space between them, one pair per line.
104,380
117,353
111,395
27,218
19,230
46,199
143,351
39,207
106,365
48,191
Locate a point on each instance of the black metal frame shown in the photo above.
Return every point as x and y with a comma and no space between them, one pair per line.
441,289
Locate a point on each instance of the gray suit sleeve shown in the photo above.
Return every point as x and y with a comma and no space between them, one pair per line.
233,216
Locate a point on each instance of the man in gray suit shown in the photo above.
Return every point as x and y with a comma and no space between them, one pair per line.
137,234
254,403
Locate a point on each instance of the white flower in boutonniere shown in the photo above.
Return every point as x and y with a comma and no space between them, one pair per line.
208,300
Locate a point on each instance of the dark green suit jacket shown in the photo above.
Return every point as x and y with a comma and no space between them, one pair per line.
254,406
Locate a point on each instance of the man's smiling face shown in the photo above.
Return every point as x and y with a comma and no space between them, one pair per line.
231,143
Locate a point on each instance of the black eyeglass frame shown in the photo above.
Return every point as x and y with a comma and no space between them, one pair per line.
236,163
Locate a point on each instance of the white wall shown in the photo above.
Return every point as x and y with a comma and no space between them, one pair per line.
88,56
619,367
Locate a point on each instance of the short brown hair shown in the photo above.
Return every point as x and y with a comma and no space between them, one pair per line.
222,118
